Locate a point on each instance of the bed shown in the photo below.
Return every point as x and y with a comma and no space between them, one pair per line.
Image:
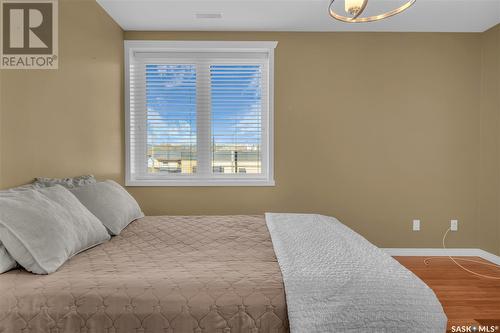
220,274
161,274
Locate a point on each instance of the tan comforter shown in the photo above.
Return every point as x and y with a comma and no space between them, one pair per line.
162,274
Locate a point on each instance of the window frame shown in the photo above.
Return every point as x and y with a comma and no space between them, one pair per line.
267,179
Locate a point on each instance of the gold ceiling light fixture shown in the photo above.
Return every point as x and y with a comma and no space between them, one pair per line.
356,7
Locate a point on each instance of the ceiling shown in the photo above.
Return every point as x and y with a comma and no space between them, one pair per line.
298,15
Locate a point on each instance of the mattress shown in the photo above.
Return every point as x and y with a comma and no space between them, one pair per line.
162,274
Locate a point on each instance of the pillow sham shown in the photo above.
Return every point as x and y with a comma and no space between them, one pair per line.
66,182
111,203
43,228
6,261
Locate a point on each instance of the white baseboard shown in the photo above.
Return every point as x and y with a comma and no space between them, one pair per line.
490,257
443,252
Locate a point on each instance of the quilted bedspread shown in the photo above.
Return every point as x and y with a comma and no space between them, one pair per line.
337,281
162,274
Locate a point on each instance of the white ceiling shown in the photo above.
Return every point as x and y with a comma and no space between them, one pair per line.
298,15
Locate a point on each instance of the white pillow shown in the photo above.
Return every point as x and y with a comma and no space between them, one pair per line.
6,261
43,228
111,203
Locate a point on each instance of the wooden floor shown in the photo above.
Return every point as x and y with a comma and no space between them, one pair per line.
467,299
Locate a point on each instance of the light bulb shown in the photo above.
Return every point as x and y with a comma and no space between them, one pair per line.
353,6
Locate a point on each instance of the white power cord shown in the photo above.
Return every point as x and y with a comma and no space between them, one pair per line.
426,262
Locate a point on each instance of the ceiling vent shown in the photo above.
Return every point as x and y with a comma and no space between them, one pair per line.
208,15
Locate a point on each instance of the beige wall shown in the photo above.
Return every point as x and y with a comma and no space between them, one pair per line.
490,135
67,121
498,109
389,123
1,129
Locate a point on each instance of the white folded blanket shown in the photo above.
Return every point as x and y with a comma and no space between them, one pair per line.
337,281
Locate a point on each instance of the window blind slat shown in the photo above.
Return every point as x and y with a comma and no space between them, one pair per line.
171,118
236,102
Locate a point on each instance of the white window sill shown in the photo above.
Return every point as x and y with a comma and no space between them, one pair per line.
215,182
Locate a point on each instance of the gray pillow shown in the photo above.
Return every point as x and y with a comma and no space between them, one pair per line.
111,203
19,188
6,261
66,182
43,228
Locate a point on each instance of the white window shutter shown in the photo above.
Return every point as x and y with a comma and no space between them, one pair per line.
199,113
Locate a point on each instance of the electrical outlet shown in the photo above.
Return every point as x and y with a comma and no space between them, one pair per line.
454,225
416,225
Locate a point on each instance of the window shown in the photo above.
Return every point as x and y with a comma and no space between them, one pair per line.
199,113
